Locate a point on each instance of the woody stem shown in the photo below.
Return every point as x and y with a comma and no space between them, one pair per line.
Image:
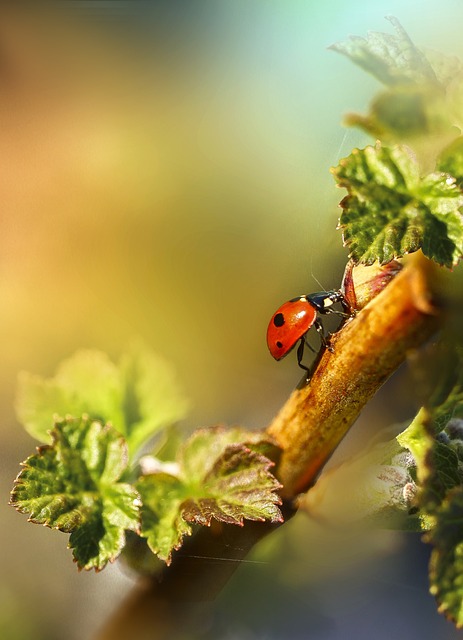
366,351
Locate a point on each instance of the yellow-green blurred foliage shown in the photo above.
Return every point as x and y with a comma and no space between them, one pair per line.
165,174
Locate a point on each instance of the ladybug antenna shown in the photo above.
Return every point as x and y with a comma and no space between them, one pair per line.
315,277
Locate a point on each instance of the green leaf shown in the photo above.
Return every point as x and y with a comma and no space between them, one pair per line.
39,403
152,397
72,485
437,463
375,487
447,69
435,439
162,523
93,383
451,160
449,72
139,397
222,475
392,59
205,447
424,89
405,113
87,382
390,211
446,564
417,439
239,486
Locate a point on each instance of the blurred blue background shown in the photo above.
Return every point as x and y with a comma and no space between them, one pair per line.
166,175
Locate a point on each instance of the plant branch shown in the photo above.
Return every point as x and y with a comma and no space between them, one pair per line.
366,351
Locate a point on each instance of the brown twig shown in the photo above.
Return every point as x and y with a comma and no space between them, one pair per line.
366,351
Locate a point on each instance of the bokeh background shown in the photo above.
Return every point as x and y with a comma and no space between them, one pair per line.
165,174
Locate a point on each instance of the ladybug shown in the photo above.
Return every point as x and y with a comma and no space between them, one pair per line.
291,322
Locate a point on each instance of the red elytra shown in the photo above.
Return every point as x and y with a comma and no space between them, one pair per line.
291,322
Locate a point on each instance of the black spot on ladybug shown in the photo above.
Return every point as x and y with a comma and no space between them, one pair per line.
279,320
279,344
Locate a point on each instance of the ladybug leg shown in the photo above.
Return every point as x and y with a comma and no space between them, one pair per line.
300,353
307,343
349,312
346,312
342,314
319,327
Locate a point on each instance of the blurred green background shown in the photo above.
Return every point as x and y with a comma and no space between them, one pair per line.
165,174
